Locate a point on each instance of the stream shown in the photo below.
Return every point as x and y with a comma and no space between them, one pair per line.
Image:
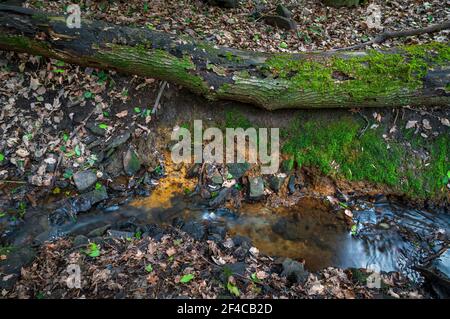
388,236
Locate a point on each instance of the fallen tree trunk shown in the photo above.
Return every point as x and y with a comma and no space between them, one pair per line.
416,75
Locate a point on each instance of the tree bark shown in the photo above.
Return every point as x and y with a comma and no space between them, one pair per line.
405,76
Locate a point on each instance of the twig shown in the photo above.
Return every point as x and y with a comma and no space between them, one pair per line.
397,34
158,98
436,255
13,182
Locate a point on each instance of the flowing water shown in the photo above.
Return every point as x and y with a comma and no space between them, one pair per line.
388,237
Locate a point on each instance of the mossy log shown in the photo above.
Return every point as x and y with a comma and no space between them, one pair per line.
415,75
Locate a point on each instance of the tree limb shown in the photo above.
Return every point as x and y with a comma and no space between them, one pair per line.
398,34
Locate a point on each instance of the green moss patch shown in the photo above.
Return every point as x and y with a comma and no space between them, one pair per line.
337,150
372,75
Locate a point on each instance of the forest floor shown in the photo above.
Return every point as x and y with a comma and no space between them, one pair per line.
60,120
318,27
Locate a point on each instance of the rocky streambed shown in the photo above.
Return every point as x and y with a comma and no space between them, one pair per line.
306,235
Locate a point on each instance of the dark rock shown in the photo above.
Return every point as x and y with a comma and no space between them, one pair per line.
220,231
95,129
84,179
224,3
291,184
294,271
237,170
437,275
275,182
282,11
148,156
80,240
98,232
221,198
239,240
95,196
342,3
243,245
62,183
120,234
280,22
154,232
17,259
256,187
193,171
10,268
195,230
89,139
131,162
177,222
114,167
68,208
118,140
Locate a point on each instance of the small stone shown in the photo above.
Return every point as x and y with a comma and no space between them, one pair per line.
131,162
237,170
384,226
426,124
84,179
118,140
98,232
282,11
276,181
195,230
80,240
120,234
280,22
256,187
294,271
95,129
291,184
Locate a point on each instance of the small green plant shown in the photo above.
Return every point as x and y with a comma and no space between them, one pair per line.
138,235
186,278
88,94
65,137
255,278
233,289
354,230
77,150
98,185
2,157
22,208
158,170
103,126
68,173
149,268
93,250
142,112
283,45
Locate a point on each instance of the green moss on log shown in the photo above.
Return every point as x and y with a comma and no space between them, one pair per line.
373,75
146,62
